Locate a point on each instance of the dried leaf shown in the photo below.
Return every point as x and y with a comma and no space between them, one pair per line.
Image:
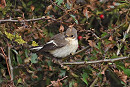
109,46
34,76
61,28
48,8
123,78
127,65
32,7
2,3
121,75
91,43
27,60
110,38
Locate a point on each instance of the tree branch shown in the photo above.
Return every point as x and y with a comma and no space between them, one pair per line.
27,20
93,62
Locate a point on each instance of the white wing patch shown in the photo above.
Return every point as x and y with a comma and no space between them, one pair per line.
52,41
36,48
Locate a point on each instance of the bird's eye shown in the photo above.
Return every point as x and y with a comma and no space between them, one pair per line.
72,35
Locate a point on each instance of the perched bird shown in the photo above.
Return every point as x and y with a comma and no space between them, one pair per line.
62,44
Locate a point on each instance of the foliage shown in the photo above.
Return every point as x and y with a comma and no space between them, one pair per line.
94,19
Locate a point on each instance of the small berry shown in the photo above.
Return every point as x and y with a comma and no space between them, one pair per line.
102,16
80,37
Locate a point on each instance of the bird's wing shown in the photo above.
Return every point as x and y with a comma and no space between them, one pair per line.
57,41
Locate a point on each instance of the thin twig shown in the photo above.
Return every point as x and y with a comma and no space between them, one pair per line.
6,59
27,20
11,68
93,62
125,36
57,81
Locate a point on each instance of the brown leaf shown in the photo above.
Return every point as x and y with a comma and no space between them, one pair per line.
41,35
61,28
34,77
110,38
32,7
123,78
91,43
48,8
75,84
121,75
127,65
2,3
109,46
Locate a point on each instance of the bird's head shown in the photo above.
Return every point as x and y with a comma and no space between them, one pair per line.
71,33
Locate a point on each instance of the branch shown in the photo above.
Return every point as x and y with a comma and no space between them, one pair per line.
56,83
27,20
93,62
10,65
6,59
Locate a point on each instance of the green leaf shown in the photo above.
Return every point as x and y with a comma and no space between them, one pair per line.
104,34
19,59
34,43
74,18
0,80
26,53
19,81
29,3
71,83
59,2
62,73
85,76
34,58
23,4
17,38
127,72
9,35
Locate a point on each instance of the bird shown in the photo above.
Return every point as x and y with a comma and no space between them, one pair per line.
61,45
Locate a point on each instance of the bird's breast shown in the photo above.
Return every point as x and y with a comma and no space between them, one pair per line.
71,47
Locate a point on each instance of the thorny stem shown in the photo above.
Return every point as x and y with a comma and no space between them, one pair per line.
6,59
93,62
